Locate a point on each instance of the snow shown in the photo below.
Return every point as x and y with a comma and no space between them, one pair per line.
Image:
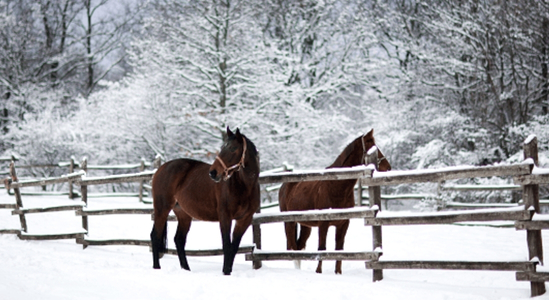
63,270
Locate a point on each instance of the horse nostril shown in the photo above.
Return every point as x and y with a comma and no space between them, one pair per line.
213,174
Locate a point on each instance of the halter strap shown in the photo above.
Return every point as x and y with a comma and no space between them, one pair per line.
364,151
240,165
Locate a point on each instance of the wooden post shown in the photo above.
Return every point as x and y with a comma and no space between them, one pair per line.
375,199
360,188
18,200
141,169
157,161
71,170
84,191
530,196
256,229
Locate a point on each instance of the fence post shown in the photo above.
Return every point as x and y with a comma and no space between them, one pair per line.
375,199
84,191
360,188
157,161
256,229
18,200
71,170
530,196
141,169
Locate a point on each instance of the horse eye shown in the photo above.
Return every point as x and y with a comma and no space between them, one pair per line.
233,148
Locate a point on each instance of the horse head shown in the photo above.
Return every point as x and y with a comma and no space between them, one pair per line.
366,142
231,158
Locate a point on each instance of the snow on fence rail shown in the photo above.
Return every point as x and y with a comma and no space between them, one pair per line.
522,215
524,174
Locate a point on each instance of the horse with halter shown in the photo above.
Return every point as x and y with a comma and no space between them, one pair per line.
308,195
224,191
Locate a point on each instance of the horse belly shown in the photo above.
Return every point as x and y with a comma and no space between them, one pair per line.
198,201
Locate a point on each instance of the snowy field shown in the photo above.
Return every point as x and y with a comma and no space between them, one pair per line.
63,270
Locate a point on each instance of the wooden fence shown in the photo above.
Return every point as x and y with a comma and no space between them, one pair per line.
523,176
523,215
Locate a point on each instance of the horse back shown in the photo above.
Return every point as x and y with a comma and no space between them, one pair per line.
316,195
298,196
186,181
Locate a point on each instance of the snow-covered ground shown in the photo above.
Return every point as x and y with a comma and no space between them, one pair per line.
63,270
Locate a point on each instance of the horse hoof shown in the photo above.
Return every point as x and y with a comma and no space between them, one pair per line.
156,267
297,264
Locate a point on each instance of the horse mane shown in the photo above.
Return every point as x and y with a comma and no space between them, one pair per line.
251,146
344,154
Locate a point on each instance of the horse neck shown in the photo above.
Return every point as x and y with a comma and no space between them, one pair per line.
348,158
250,173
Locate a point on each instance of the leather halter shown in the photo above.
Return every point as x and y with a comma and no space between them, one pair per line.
364,151
240,165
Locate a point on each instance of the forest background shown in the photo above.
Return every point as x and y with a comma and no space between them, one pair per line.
442,82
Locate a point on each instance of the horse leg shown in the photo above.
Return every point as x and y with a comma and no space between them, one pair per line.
322,233
225,226
291,240
304,234
159,235
291,235
240,228
341,230
180,239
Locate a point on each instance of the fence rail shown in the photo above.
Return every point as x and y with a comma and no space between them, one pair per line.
524,215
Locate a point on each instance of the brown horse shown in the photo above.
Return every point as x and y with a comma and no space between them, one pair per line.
194,189
310,195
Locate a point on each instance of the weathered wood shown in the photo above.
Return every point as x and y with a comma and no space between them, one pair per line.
532,225
112,242
532,276
42,193
18,200
8,205
141,183
472,187
313,255
436,175
20,211
479,205
211,252
10,231
256,231
532,179
47,181
51,236
116,167
530,196
325,174
116,178
374,194
84,195
399,197
453,265
315,215
115,211
71,170
452,217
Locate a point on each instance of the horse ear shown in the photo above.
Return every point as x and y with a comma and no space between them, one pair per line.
370,133
238,135
229,132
